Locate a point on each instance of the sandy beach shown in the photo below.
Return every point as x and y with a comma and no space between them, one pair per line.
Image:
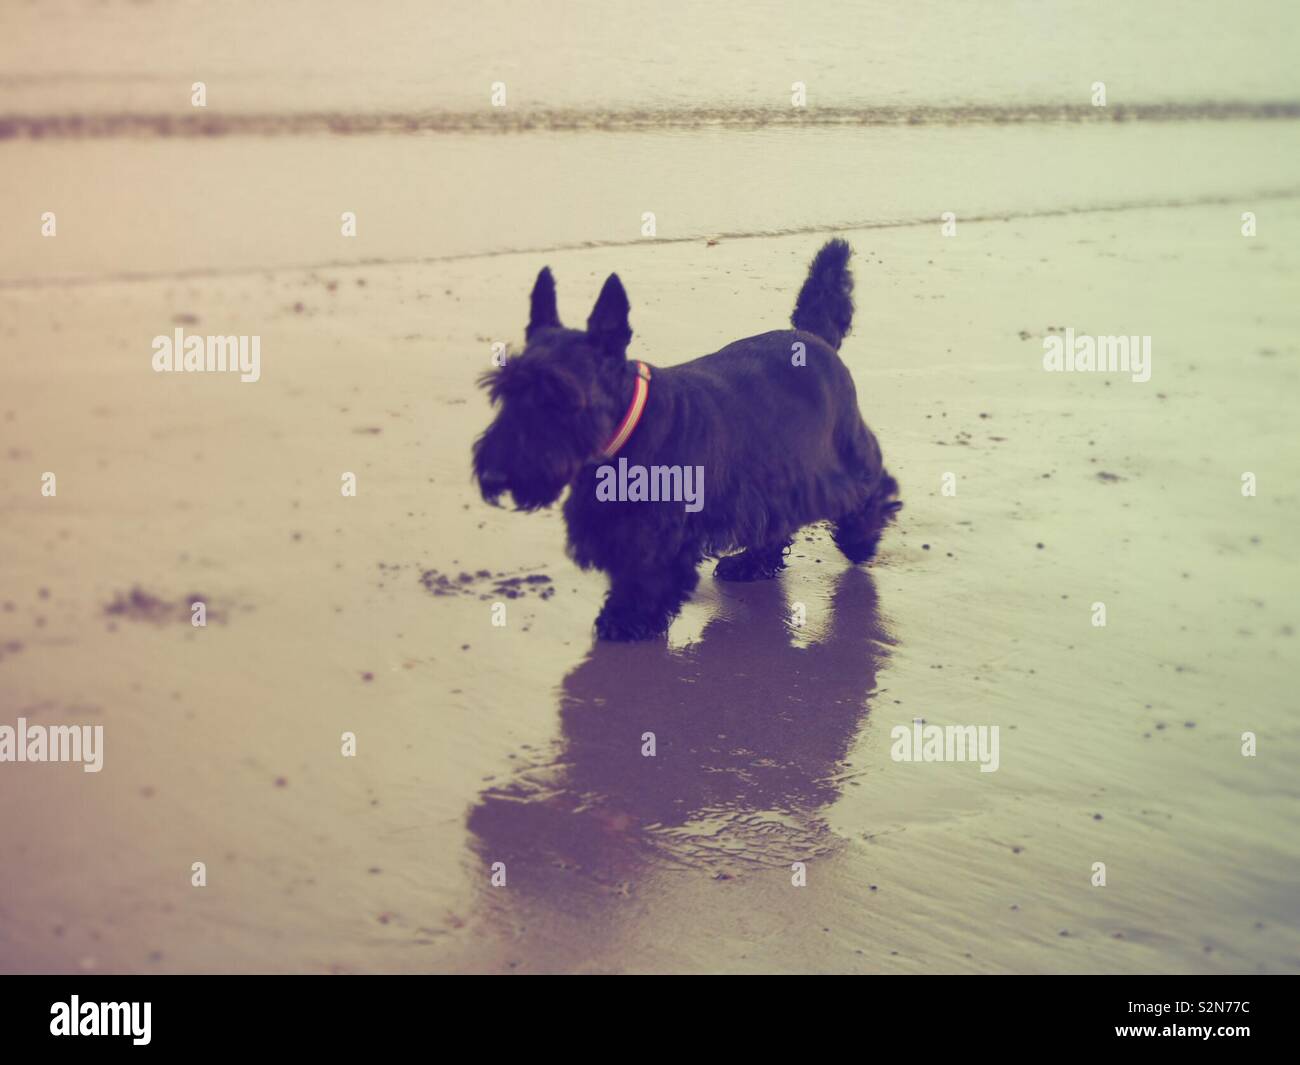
517,744
1029,498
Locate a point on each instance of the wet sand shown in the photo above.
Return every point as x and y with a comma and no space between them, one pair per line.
521,744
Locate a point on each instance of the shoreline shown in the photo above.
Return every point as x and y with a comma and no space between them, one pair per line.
205,124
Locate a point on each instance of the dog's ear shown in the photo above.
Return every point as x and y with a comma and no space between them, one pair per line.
543,313
608,325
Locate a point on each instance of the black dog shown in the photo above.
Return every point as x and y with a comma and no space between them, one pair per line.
768,425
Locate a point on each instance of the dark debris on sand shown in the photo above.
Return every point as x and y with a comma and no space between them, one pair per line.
486,585
139,605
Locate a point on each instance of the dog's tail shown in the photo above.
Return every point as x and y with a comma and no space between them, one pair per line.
825,304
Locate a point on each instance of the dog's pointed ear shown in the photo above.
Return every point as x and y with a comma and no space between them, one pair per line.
543,313
608,324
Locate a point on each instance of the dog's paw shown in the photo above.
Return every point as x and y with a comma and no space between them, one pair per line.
750,566
624,628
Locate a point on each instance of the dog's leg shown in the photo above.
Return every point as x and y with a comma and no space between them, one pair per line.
756,564
858,533
643,600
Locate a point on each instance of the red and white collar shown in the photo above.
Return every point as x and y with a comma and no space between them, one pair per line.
634,412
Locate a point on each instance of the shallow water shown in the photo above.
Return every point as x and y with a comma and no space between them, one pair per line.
247,204
677,110
79,56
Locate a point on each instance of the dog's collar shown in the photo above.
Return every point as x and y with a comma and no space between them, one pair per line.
639,396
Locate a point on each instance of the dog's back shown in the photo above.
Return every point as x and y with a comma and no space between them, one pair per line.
824,309
788,382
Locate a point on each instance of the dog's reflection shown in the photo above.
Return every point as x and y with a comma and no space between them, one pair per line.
749,727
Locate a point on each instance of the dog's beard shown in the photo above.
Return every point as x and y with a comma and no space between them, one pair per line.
535,496
531,487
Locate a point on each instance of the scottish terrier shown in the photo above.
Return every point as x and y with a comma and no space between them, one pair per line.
772,421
